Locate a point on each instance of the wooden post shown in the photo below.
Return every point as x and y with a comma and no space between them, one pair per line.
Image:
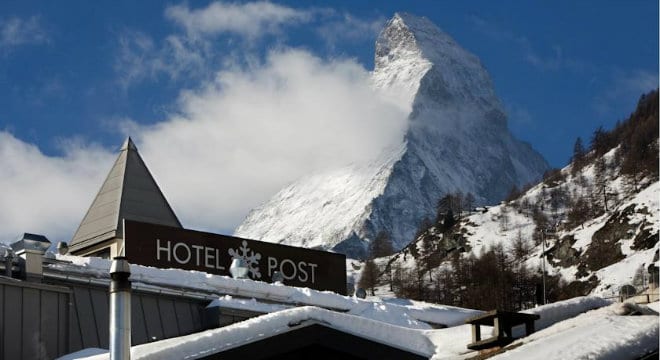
497,325
476,333
529,327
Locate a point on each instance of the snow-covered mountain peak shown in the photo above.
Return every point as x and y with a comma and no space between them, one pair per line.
408,37
454,115
399,63
423,65
410,34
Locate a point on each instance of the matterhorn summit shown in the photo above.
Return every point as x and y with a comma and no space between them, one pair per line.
457,140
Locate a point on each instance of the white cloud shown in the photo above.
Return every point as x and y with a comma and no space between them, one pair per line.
234,142
251,131
191,53
553,59
135,56
349,28
140,58
251,19
550,62
623,91
47,195
637,82
15,31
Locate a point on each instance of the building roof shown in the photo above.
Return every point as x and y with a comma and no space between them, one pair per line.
591,334
401,341
267,297
129,191
566,329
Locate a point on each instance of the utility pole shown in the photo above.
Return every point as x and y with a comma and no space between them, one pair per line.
543,263
543,238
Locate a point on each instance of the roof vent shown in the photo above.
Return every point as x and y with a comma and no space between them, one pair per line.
31,249
31,242
62,248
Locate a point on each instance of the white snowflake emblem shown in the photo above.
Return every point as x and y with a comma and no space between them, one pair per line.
250,257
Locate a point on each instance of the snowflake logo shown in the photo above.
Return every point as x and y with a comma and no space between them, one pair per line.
250,257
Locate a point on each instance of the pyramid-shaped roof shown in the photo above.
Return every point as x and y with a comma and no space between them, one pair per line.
128,192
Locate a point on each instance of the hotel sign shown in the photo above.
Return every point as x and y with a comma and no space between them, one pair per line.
169,247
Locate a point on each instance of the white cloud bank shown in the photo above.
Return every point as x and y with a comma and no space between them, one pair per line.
191,53
232,143
251,131
47,195
251,19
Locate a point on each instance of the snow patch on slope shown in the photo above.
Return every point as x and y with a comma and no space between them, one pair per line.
321,210
502,224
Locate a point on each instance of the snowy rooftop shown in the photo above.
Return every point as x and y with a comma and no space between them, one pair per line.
587,327
604,333
259,296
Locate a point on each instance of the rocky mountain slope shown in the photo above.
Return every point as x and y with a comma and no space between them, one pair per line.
457,140
595,222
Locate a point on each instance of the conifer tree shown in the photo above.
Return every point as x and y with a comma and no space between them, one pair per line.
369,276
579,154
469,202
381,245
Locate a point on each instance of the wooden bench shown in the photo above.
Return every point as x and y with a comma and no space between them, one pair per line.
502,323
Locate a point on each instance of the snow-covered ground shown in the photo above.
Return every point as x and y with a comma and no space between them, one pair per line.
603,334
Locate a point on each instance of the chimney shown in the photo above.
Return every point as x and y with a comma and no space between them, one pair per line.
31,249
120,309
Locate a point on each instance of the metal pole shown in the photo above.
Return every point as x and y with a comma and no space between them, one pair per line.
9,262
120,309
543,256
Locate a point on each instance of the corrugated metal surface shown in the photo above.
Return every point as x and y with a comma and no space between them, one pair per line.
32,319
153,317
44,321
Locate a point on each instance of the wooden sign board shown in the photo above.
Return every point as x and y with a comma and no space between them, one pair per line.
168,247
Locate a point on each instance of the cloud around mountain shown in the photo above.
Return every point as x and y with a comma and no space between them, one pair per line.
231,143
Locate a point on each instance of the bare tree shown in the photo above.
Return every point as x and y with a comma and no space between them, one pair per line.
520,247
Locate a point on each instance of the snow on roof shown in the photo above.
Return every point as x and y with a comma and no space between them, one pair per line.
83,354
399,323
604,333
413,315
217,340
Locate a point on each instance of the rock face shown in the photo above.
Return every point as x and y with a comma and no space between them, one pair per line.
457,140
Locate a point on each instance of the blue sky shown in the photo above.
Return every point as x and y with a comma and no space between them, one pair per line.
78,76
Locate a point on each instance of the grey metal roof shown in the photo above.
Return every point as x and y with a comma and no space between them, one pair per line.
129,191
